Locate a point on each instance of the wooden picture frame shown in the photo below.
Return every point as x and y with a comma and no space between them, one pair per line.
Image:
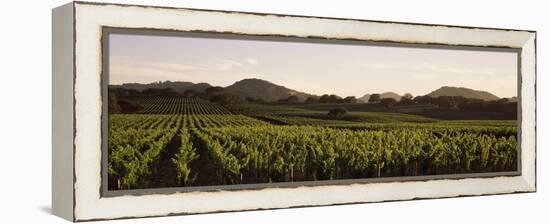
79,119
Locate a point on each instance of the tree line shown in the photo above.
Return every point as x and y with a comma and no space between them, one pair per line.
220,95
118,97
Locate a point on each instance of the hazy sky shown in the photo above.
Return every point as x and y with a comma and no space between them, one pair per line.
345,70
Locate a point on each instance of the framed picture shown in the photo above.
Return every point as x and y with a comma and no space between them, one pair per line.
162,111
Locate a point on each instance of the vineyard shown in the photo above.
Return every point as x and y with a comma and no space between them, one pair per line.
174,142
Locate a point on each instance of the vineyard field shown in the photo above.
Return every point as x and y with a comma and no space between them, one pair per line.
184,141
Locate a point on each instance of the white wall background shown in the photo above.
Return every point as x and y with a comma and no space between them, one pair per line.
25,114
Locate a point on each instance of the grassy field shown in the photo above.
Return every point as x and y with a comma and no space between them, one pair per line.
181,141
421,111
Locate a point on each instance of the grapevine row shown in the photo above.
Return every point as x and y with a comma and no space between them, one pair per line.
271,153
180,105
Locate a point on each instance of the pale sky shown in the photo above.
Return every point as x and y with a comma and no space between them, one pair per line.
316,68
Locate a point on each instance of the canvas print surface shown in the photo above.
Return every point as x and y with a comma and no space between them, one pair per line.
215,110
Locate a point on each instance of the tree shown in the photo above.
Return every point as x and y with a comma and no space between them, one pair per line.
424,99
113,103
122,92
375,98
337,112
189,93
129,107
445,101
227,99
159,92
215,90
290,99
406,99
324,99
503,100
219,95
388,102
349,99
312,99
330,98
334,98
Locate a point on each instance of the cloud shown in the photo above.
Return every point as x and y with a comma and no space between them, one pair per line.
252,61
372,65
455,70
212,65
221,64
124,69
419,67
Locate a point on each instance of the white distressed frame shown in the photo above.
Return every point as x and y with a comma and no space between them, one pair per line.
89,20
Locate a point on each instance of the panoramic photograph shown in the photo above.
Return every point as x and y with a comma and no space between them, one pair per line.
213,110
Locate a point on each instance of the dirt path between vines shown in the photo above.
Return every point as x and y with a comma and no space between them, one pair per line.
165,173
204,170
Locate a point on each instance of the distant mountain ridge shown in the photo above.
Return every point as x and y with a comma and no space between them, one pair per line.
261,89
463,92
252,88
267,91
178,86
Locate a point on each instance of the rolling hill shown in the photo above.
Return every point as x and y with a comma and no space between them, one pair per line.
463,92
261,89
267,91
